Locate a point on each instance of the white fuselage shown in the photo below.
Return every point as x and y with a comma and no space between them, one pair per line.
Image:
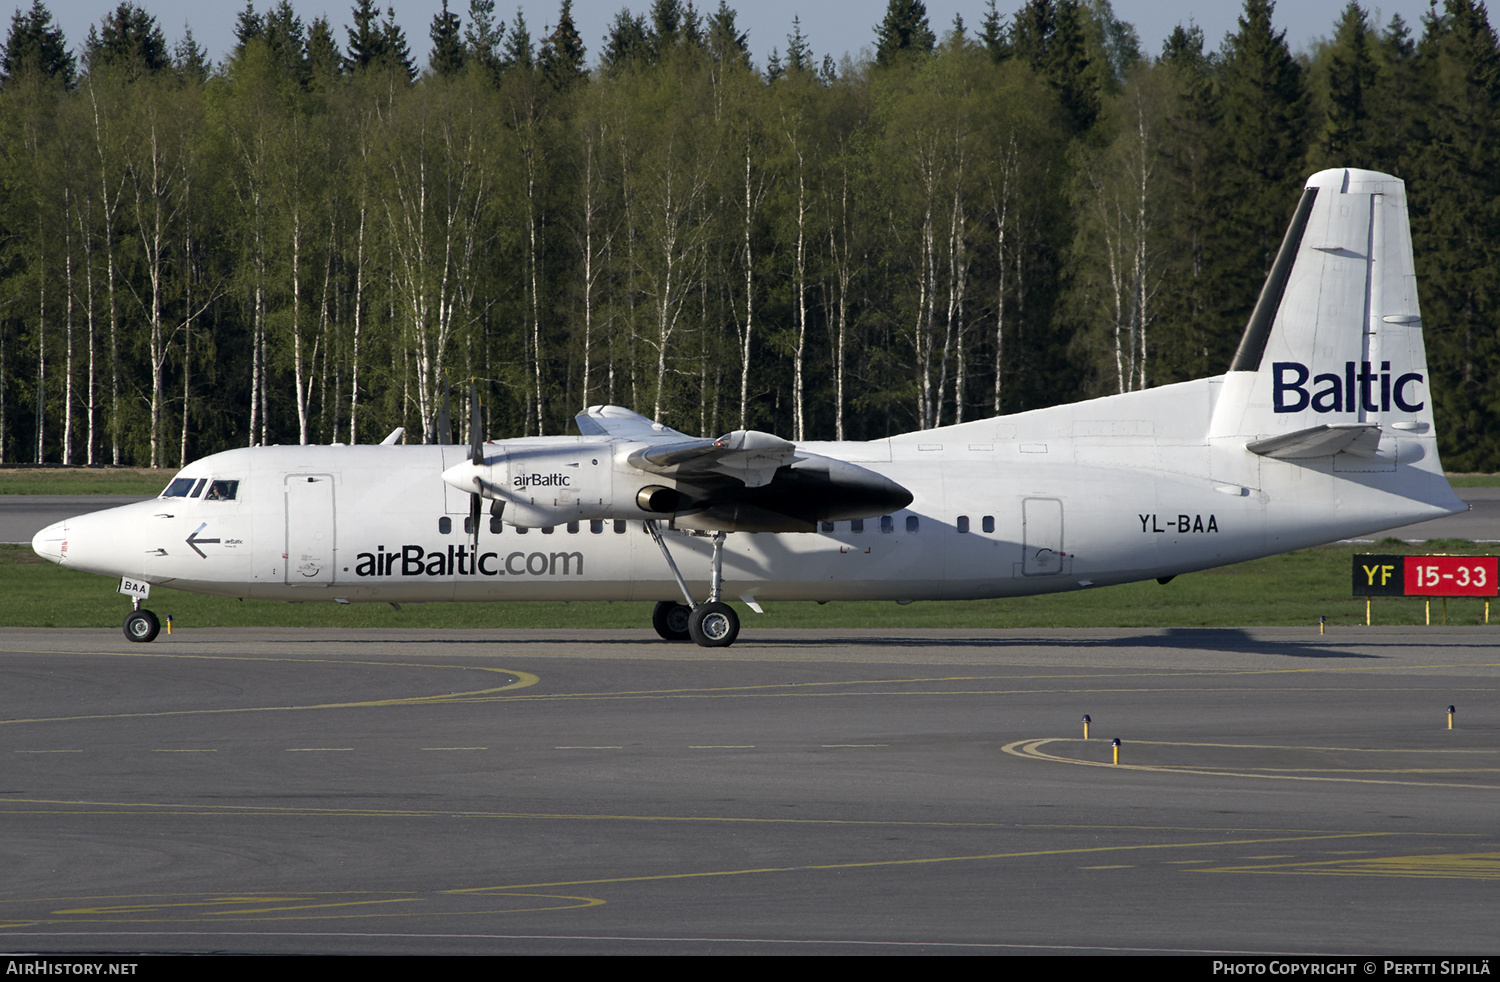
1108,491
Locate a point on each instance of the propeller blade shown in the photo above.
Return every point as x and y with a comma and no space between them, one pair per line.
474,501
476,440
476,456
445,419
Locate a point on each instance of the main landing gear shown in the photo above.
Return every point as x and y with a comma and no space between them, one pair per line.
713,624
141,625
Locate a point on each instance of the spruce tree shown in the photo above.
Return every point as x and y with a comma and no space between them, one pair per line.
562,55
396,48
447,56
1344,138
666,25
1030,31
1455,184
627,42
518,50
904,32
1068,68
365,42
324,63
372,43
36,44
799,56
725,41
1391,102
128,40
281,31
483,36
993,35
190,60
1262,148
1188,342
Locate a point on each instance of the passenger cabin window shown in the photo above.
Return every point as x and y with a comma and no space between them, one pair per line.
547,529
887,523
619,526
596,526
445,525
857,525
497,525
911,523
572,528
988,524
963,523
827,526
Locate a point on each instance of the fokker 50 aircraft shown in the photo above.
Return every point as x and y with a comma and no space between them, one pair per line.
1321,429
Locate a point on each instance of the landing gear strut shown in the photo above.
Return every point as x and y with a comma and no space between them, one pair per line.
713,624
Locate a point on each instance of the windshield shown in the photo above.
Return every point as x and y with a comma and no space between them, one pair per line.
193,487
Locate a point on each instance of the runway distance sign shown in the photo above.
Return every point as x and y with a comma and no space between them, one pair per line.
1426,576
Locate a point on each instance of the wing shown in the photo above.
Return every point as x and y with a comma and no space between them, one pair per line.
617,421
743,481
750,456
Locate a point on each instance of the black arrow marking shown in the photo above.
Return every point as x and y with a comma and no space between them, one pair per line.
193,540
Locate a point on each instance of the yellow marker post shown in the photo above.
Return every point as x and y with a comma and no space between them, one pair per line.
1450,717
1116,746
1321,621
1086,722
169,623
1429,613
1367,612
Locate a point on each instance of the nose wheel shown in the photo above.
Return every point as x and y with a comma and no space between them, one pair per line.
141,625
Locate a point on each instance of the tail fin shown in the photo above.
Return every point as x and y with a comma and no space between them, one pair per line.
1332,361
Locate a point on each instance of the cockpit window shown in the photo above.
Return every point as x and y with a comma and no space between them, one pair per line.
179,488
221,490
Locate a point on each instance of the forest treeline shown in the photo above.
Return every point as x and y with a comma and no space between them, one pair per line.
309,241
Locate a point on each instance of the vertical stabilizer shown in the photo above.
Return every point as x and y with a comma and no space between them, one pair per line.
1332,361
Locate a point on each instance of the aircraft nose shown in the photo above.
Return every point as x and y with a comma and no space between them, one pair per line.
51,543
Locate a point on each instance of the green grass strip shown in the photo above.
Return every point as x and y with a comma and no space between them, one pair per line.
1292,589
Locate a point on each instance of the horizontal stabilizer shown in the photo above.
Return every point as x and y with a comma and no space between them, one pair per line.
1360,439
747,455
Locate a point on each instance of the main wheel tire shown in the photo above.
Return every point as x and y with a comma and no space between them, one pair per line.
714,625
141,625
671,620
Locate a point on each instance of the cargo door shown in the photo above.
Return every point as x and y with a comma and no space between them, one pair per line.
1042,536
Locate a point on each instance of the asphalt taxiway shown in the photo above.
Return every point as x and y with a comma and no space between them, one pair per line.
482,792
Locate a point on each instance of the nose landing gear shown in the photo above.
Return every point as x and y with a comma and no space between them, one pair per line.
141,625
